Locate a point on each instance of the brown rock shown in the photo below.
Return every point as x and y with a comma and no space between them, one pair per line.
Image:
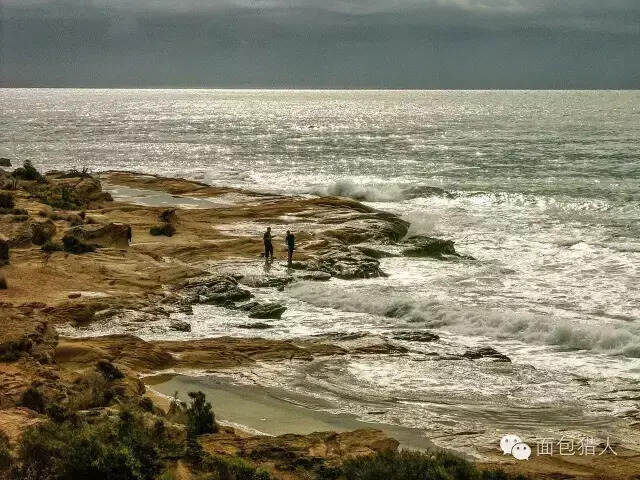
291,452
115,235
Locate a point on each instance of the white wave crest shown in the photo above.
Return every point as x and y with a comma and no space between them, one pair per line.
612,337
381,192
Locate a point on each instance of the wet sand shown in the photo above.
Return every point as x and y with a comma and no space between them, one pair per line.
273,411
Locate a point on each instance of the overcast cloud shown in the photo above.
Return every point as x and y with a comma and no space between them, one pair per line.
321,43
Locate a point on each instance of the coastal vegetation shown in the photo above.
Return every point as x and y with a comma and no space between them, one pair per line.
28,172
6,200
165,229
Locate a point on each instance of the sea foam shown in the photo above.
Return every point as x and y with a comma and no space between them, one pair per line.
613,337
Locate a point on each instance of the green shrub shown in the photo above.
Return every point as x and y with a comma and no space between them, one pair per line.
5,453
413,465
11,350
59,196
6,200
33,399
194,451
93,391
200,417
59,413
118,449
75,173
108,370
51,246
176,412
28,172
165,229
146,404
13,211
72,245
232,468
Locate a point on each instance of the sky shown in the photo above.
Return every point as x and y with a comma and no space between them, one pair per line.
424,44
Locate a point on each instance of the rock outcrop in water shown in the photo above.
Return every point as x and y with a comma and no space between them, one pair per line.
347,263
216,290
424,246
486,352
180,326
264,310
415,336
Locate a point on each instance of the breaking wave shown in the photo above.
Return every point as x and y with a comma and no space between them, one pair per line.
382,192
614,337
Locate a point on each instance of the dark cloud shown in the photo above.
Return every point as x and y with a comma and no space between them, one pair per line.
322,43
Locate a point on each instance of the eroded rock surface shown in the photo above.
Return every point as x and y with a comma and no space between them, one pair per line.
113,234
291,452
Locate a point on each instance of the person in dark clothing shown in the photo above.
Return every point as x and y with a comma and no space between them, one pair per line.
129,233
268,246
291,243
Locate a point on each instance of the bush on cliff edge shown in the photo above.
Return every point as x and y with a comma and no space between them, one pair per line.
124,448
28,172
200,417
5,453
6,200
73,245
411,465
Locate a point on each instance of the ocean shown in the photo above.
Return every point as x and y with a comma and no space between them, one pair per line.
543,188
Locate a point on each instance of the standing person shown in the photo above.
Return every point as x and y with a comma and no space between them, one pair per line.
291,243
268,246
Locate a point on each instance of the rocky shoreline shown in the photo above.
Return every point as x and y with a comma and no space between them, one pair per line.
67,260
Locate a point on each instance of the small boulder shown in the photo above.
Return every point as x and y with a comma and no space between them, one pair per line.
423,246
415,336
314,275
219,290
5,162
264,310
486,352
255,326
180,326
258,281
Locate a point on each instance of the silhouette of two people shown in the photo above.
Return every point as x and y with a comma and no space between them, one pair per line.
268,245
